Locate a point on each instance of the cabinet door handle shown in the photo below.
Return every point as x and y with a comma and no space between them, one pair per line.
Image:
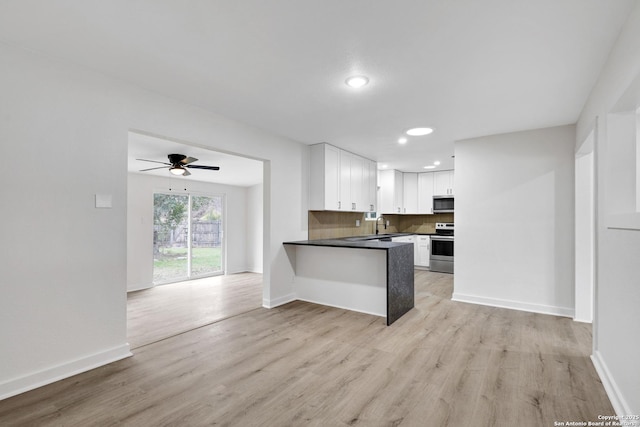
339,207
353,206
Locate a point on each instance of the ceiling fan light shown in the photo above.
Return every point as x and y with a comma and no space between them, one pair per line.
177,170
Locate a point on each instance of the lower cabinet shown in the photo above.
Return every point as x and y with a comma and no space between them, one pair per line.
421,248
423,244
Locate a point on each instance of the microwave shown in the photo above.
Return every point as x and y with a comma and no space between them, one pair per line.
442,204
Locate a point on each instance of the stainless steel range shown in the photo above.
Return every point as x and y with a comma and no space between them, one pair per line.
441,258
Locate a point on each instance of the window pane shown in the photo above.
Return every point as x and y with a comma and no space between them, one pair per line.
170,237
206,232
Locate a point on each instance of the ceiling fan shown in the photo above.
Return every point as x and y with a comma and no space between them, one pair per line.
178,164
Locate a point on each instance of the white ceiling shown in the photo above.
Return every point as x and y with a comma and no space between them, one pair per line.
234,170
467,68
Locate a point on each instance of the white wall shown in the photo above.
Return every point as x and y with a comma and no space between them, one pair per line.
63,304
584,235
617,301
514,220
140,224
254,228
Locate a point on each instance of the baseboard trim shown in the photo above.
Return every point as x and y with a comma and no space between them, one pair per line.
610,386
514,305
135,288
65,370
371,313
278,301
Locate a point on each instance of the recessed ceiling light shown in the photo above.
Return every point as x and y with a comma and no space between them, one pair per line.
357,81
437,163
419,131
402,140
429,167
384,166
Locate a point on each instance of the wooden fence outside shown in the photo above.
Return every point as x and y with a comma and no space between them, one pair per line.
205,234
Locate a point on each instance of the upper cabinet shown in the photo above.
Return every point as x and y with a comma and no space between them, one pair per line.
425,193
443,183
412,193
324,179
340,180
391,192
346,202
372,186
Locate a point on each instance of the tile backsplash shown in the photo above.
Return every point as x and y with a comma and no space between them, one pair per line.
333,224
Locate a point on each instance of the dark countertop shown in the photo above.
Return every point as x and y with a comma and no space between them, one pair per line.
342,243
361,242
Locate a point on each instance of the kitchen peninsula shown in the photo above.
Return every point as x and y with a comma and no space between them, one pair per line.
363,274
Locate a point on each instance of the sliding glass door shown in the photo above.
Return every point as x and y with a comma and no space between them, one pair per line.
206,235
170,237
187,236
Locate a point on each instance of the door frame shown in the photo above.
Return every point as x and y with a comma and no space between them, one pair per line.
585,230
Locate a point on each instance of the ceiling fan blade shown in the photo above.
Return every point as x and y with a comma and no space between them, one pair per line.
154,161
188,160
211,168
186,173
152,169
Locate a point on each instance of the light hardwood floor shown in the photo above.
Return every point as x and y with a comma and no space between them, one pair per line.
442,364
167,310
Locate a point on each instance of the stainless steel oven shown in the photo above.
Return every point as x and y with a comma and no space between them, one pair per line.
442,243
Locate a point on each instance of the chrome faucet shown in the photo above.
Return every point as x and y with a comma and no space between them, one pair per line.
378,219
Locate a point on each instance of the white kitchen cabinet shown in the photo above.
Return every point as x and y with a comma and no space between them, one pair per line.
425,193
391,192
345,182
369,185
423,250
410,193
363,186
373,185
443,183
398,192
340,180
324,177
